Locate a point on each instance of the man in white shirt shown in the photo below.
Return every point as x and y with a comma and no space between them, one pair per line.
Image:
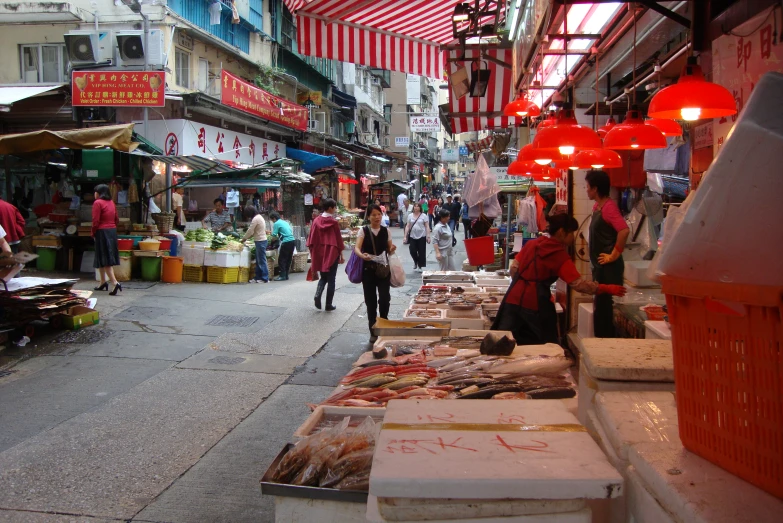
402,205
176,206
4,247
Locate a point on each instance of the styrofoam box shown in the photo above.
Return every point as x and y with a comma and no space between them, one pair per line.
585,321
321,411
408,316
193,254
244,258
306,510
636,274
221,258
657,330
641,505
614,510
699,492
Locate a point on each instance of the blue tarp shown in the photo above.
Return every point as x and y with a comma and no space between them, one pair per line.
312,162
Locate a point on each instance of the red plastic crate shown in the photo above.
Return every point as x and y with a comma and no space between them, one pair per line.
727,341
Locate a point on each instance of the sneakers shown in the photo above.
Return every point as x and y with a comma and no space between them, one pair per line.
253,281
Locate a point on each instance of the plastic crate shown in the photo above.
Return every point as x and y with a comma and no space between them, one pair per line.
222,274
727,341
244,275
193,273
299,262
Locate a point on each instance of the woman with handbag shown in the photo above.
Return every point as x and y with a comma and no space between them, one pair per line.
417,236
326,251
373,241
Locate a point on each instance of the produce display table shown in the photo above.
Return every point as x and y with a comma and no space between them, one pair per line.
623,365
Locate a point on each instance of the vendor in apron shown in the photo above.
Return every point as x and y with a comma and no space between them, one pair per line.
608,234
527,309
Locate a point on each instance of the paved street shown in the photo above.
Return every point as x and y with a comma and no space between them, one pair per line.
171,409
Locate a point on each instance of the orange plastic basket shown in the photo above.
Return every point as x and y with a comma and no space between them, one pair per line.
727,342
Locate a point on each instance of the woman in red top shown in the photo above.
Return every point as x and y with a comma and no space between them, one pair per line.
326,252
104,230
527,309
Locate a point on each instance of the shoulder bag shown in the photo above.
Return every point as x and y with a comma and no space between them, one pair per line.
408,236
381,271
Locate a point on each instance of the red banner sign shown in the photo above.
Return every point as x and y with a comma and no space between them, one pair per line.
118,88
247,97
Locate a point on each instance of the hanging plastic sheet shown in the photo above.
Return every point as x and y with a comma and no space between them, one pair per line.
481,189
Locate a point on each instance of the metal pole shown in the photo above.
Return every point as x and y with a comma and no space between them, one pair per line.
508,229
168,187
146,67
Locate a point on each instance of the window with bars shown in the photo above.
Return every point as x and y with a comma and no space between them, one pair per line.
182,68
46,63
287,29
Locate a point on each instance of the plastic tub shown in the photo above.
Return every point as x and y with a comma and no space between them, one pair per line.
47,259
136,240
481,250
149,245
150,268
172,269
165,245
125,244
174,243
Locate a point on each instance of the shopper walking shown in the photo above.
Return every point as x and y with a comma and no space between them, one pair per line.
608,234
442,237
465,212
326,252
13,223
257,231
283,230
104,231
375,240
417,236
432,204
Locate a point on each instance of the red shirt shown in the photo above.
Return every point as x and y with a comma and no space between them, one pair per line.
104,215
551,260
610,213
432,204
12,221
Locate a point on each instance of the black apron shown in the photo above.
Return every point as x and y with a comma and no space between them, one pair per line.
530,327
603,239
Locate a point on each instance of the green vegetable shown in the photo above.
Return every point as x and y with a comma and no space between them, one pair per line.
199,235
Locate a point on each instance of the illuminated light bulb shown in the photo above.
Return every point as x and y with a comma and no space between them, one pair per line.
521,113
635,145
542,161
566,149
597,166
690,113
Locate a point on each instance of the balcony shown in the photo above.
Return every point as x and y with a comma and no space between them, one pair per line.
383,75
197,13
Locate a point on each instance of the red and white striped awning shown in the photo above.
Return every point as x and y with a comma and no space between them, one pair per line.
476,114
396,35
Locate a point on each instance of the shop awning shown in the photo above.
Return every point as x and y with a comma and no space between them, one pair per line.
311,162
194,183
475,114
117,137
403,186
13,93
343,99
386,34
192,162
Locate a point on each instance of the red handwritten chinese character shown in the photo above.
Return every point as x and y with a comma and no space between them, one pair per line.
510,420
264,153
412,446
513,448
446,418
202,140
743,53
252,148
219,141
277,150
766,41
236,146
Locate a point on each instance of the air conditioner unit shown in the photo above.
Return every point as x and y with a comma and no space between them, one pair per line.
315,126
368,137
130,48
89,47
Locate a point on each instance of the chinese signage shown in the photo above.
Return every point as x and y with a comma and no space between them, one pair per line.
310,98
246,97
186,137
118,88
702,136
413,89
425,123
502,174
450,155
738,63
402,141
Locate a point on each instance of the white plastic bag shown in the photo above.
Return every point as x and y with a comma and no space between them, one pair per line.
397,272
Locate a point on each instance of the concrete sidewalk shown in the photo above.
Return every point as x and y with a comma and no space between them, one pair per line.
173,407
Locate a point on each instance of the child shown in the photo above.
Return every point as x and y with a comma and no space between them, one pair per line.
441,241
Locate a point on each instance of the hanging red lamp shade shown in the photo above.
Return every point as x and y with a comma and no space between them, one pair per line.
566,136
542,173
550,120
529,154
606,127
633,134
667,127
521,107
531,169
519,167
597,159
692,97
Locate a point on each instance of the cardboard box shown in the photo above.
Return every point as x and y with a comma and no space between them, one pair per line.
79,317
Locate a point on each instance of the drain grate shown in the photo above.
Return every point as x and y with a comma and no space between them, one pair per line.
226,360
4,373
142,313
85,336
232,321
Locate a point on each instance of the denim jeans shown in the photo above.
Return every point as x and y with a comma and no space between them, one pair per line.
262,270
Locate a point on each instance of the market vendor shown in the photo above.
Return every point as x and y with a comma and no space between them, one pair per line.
219,220
527,309
608,234
282,229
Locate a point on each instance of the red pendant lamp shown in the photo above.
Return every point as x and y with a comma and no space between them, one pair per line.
522,107
597,159
633,134
692,97
606,127
566,136
532,169
667,127
550,120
